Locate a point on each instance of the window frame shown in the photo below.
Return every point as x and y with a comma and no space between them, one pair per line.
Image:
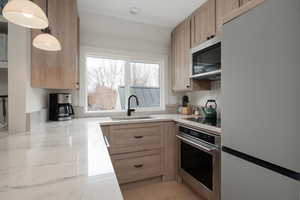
128,57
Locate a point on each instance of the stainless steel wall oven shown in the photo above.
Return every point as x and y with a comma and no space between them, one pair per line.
199,161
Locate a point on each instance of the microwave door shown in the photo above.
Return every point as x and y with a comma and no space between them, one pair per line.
206,61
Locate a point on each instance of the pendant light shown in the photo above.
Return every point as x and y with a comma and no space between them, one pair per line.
25,13
46,41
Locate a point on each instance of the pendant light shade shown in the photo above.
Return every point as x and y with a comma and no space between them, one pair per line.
25,13
47,42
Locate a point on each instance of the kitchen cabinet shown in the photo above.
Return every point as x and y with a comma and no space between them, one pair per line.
58,70
181,43
137,166
135,137
223,8
142,150
242,2
180,60
244,7
203,23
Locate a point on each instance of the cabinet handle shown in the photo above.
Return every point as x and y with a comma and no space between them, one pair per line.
212,36
187,86
138,137
138,166
106,141
208,38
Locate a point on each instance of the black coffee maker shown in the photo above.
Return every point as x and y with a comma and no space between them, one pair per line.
60,107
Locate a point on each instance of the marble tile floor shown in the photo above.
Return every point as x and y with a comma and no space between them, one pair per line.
160,191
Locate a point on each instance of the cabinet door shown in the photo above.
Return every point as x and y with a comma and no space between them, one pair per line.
204,23
224,7
57,70
242,2
181,40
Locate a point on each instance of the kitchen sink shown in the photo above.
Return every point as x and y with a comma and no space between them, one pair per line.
130,118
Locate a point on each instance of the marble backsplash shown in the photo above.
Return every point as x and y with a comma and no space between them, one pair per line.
199,98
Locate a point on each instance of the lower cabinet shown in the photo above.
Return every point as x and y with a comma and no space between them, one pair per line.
138,166
141,151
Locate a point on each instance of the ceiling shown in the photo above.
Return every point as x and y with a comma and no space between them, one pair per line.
166,13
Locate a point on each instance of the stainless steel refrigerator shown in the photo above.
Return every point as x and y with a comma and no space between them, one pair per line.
261,103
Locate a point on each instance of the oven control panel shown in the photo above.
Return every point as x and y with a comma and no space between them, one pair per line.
199,135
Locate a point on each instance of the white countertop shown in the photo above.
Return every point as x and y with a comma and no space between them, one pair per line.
58,161
63,161
158,118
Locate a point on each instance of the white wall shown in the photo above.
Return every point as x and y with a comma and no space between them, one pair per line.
22,98
199,98
108,34
114,33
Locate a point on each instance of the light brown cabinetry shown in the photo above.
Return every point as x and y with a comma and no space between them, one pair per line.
135,137
180,53
58,70
203,25
223,8
181,44
242,2
137,166
142,150
245,6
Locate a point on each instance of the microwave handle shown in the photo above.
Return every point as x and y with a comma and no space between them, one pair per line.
197,145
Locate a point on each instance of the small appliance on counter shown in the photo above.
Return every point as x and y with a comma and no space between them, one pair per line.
60,107
185,108
3,114
209,111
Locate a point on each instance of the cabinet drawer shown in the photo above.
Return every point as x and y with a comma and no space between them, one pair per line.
137,166
135,137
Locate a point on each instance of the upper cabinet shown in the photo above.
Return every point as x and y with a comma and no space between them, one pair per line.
244,6
203,25
223,8
58,70
181,44
242,2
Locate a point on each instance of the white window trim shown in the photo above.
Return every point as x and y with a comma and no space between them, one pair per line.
127,56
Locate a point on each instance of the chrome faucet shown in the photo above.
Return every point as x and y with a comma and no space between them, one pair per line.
129,110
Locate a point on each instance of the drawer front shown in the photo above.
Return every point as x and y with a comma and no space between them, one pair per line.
137,166
135,137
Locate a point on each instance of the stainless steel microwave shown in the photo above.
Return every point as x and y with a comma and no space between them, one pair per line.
206,60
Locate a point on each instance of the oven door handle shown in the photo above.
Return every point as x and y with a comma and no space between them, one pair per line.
198,144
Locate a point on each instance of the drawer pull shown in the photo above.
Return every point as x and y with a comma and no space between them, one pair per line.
138,166
138,137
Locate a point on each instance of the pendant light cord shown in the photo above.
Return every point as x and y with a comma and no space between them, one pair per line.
47,30
47,8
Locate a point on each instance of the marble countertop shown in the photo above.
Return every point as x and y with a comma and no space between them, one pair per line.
64,160
57,161
165,117
152,118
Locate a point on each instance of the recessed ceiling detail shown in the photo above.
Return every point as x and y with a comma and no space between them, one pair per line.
134,10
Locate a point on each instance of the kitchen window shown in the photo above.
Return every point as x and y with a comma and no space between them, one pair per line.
110,81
